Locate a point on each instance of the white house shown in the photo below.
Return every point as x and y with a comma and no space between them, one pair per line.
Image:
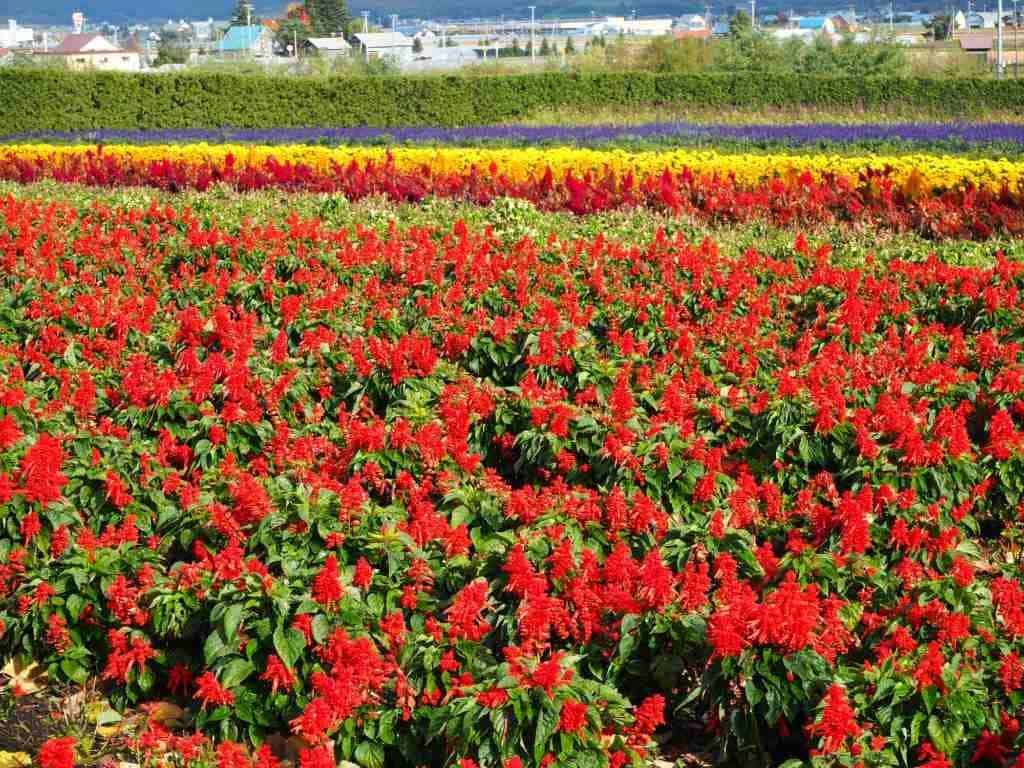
330,47
982,20
93,51
14,36
380,45
691,22
791,33
620,25
427,37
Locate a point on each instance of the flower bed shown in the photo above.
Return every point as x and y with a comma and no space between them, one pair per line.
940,196
424,498
912,134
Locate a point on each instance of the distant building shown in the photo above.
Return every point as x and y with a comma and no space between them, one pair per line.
14,36
93,51
978,43
620,25
329,47
981,20
427,37
379,45
819,24
252,40
691,25
203,30
795,33
841,25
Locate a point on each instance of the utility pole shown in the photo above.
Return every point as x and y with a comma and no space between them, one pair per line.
248,27
1016,50
892,23
394,40
999,41
366,22
533,45
753,14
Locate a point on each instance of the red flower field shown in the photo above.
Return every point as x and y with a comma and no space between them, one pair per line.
425,498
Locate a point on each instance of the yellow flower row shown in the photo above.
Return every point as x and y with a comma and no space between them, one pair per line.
931,171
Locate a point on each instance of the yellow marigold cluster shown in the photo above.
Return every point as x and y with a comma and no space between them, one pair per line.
916,170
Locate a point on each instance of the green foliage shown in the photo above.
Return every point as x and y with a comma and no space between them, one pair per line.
43,100
740,24
667,54
290,32
241,16
328,17
170,50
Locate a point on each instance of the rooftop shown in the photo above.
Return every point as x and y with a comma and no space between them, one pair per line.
329,43
383,40
241,38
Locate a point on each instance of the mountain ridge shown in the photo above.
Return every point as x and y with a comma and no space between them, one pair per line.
36,12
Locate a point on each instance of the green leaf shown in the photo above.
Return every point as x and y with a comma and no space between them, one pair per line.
370,755
232,619
289,644
213,648
235,672
75,605
547,722
74,671
946,736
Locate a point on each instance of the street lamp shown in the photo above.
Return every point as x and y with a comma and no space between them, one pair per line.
533,45
366,22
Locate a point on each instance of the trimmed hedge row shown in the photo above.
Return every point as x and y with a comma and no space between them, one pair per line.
63,101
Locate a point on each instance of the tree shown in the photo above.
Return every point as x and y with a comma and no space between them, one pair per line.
938,26
291,32
417,45
740,24
241,17
545,47
328,17
169,50
570,49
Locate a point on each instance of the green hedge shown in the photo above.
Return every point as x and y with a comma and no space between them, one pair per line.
45,100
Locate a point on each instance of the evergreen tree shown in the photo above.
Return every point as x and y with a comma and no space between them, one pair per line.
327,17
240,18
545,47
570,48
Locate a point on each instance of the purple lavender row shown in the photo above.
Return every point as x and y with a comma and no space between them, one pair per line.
970,133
